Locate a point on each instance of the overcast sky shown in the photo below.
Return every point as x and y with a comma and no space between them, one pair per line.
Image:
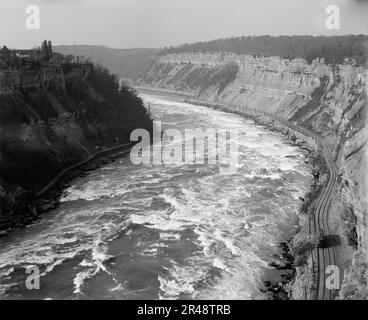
158,23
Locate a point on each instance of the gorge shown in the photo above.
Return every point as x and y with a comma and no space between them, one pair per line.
329,100
54,116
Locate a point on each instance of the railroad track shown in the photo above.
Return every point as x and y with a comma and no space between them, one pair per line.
325,256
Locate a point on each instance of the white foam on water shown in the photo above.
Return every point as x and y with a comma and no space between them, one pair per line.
71,234
180,280
170,236
218,237
151,252
98,257
220,264
232,217
92,191
79,279
119,287
7,272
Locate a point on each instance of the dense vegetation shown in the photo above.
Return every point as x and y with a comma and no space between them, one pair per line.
121,110
221,77
64,125
334,49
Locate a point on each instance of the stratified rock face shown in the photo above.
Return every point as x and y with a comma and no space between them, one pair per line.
314,94
329,100
45,77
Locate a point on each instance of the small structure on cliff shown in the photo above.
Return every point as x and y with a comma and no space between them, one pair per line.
39,67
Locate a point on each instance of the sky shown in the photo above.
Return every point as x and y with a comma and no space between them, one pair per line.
159,23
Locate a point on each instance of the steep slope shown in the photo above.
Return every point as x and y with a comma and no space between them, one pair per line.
328,100
47,126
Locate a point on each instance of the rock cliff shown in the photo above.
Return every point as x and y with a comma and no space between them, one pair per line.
329,100
52,118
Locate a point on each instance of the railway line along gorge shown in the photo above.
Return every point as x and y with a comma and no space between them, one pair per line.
140,160
325,105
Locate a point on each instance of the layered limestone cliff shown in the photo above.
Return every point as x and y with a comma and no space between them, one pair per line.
328,100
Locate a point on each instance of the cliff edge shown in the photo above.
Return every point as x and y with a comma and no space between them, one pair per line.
51,117
329,100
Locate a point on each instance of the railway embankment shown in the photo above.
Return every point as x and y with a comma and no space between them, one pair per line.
324,105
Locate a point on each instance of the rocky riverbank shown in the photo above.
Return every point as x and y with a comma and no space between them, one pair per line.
45,130
288,282
284,282
328,100
30,207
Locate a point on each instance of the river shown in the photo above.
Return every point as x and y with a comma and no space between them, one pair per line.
194,231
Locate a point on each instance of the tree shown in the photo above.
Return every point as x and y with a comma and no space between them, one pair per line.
5,51
46,50
49,47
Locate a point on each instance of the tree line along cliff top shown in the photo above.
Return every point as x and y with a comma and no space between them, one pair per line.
34,59
334,49
39,67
